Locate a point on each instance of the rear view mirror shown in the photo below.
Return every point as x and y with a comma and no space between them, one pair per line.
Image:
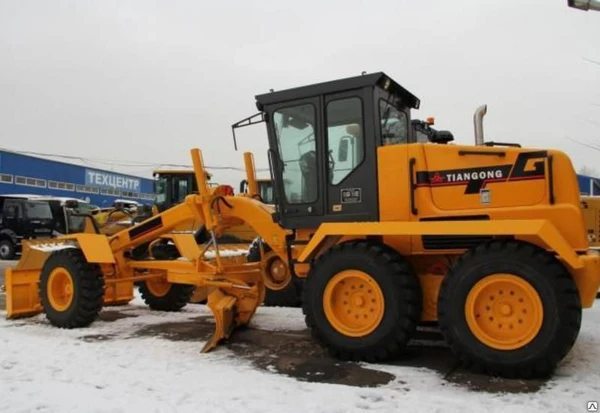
343,150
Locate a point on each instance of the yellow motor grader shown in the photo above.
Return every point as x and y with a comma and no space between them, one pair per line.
486,241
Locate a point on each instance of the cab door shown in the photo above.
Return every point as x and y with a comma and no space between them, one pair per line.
295,155
350,160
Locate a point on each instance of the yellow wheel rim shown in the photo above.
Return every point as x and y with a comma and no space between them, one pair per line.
158,287
353,303
504,311
61,289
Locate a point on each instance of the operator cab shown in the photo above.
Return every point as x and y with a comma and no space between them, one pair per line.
172,186
323,141
265,190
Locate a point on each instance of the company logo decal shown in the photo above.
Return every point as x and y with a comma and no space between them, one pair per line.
528,166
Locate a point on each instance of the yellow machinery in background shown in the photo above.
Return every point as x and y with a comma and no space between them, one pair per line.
591,215
486,241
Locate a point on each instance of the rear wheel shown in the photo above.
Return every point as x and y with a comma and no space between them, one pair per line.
362,301
161,295
7,249
281,288
509,309
71,289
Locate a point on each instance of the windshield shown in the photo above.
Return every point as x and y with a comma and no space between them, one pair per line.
394,124
294,127
37,210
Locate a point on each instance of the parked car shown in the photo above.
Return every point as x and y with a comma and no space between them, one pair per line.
64,223
22,218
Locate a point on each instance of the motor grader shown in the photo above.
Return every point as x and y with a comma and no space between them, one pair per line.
485,241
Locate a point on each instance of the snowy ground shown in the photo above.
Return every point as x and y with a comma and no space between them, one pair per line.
134,360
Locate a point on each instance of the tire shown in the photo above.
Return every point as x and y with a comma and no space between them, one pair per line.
7,250
400,308
165,251
552,294
86,283
174,298
290,296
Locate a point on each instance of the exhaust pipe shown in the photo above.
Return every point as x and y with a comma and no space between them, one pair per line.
585,4
478,122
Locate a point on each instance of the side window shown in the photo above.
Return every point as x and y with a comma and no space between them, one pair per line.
160,190
295,131
179,187
345,139
11,208
37,210
183,189
266,192
394,124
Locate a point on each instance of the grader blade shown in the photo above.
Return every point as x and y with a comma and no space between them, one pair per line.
22,298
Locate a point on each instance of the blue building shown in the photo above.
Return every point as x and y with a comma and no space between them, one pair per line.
23,174
588,185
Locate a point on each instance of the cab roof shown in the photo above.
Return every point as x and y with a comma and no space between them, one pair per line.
373,79
178,172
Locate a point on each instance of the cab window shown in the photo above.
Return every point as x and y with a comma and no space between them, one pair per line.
295,132
11,209
266,192
393,122
344,137
37,210
182,189
160,190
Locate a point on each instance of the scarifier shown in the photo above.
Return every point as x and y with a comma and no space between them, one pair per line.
487,241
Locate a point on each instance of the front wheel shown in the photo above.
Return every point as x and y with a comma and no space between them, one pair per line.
509,309
7,249
362,301
71,289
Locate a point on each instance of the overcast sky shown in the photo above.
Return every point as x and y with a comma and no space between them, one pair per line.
145,81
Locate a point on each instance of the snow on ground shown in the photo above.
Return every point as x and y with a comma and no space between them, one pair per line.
45,369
